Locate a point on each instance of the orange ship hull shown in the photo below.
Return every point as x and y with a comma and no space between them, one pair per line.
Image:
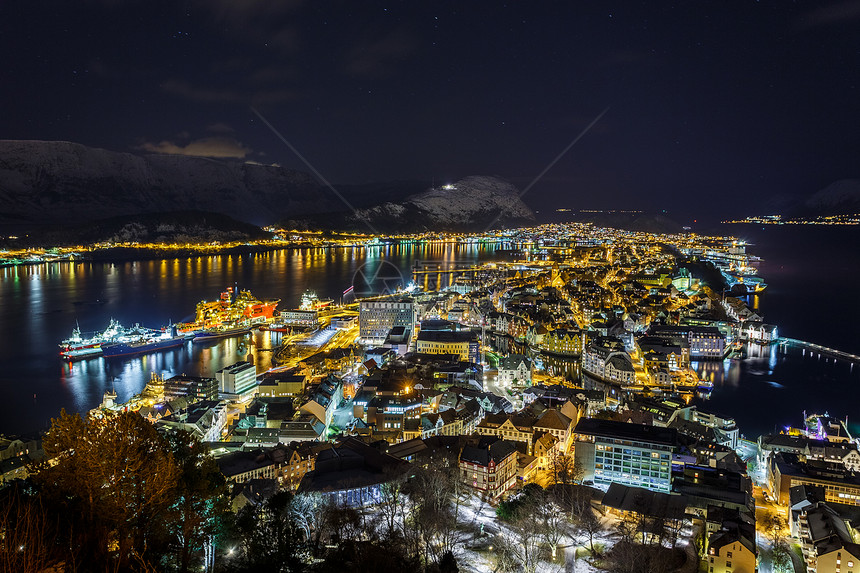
233,308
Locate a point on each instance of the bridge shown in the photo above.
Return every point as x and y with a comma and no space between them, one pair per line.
444,267
432,275
786,343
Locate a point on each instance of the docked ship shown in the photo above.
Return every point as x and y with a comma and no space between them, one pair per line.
310,301
76,347
220,332
304,317
276,327
234,313
145,343
744,284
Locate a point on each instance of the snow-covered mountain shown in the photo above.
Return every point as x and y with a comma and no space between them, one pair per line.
471,203
840,197
61,184
56,182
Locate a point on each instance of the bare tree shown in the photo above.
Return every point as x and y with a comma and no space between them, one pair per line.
534,520
588,522
554,525
626,529
519,544
563,471
626,557
27,535
342,523
781,557
432,509
560,467
391,501
673,530
780,552
306,510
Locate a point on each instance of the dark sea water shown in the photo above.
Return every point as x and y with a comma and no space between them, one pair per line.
40,304
811,273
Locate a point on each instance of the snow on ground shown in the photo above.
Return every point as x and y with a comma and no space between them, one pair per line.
476,555
481,528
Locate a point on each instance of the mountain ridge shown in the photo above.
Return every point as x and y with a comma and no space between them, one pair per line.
839,198
53,182
475,202
61,184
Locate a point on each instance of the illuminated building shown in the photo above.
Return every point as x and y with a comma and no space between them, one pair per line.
376,319
629,454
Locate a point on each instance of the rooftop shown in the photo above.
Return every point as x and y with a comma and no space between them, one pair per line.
625,431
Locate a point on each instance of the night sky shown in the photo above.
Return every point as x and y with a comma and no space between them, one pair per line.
712,105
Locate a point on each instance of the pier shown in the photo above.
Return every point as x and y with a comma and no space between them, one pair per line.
421,268
431,275
785,343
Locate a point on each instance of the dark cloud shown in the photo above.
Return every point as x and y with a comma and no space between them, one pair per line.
838,13
186,90
286,40
274,96
626,58
701,101
379,56
266,22
211,94
243,11
219,146
273,75
219,128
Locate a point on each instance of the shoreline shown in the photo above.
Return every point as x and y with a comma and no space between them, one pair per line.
132,254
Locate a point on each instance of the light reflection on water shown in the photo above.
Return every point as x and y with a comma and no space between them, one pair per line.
88,380
40,304
772,387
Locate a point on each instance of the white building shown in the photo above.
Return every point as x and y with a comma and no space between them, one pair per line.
759,332
377,318
514,369
301,318
608,362
237,381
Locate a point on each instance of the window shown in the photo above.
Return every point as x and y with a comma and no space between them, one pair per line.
729,555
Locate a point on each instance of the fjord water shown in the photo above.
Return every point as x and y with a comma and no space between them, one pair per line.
40,304
812,274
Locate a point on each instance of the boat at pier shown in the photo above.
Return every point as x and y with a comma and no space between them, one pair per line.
76,347
310,301
276,327
145,343
234,310
744,284
220,332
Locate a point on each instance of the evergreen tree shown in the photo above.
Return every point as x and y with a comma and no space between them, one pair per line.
113,481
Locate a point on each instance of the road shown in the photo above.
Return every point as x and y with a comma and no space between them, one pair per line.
491,385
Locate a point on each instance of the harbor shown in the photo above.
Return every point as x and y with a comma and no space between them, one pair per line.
165,290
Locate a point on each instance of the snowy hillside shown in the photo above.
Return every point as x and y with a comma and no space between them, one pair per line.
58,182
